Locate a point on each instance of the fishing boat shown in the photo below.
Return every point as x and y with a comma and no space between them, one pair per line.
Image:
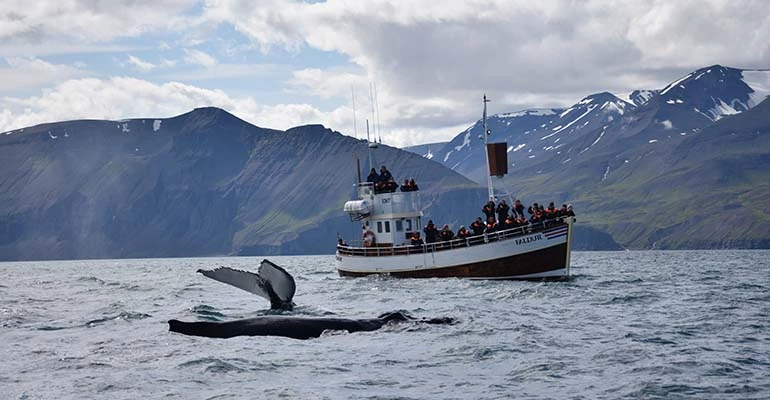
389,219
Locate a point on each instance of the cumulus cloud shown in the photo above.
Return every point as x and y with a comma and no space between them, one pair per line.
522,53
140,64
32,72
86,21
126,97
197,57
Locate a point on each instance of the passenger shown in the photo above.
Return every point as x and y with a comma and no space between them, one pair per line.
391,185
570,213
446,234
413,186
341,242
491,225
521,221
416,239
508,223
405,186
502,211
563,210
373,177
518,209
478,227
463,233
532,210
385,175
550,212
431,232
367,237
489,209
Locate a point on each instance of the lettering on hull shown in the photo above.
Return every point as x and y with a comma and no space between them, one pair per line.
529,239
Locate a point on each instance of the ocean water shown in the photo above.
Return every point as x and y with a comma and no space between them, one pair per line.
692,324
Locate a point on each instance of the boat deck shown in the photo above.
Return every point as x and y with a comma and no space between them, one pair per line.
507,234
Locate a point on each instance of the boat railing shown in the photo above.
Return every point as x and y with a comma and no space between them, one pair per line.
449,244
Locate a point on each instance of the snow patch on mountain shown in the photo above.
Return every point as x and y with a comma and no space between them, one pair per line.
759,81
675,83
529,112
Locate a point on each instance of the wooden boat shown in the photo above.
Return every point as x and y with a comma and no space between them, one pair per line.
534,251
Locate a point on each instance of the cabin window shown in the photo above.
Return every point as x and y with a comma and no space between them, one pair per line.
379,226
409,225
399,225
387,226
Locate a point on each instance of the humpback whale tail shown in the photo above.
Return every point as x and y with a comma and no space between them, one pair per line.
271,282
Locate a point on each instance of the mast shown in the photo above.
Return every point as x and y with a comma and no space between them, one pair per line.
486,151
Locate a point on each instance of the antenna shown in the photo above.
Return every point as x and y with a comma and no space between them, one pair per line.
367,131
371,99
355,125
486,150
377,107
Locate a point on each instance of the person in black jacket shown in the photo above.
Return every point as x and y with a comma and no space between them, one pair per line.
502,211
489,209
431,232
446,234
518,209
373,177
478,227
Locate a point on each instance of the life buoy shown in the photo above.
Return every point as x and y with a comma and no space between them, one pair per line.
368,238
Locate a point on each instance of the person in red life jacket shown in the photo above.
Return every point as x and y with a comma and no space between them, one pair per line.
536,217
491,225
463,233
446,234
532,210
478,227
367,237
489,209
413,186
550,212
521,221
502,211
405,186
391,185
518,209
431,232
416,239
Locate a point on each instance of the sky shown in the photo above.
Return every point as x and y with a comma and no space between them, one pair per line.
424,64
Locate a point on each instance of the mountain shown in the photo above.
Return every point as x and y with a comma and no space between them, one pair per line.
425,150
202,183
684,166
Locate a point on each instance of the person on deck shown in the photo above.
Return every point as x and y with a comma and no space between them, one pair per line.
518,209
502,211
491,225
405,186
416,239
570,213
385,175
478,227
446,234
463,233
391,185
489,209
413,186
373,177
431,232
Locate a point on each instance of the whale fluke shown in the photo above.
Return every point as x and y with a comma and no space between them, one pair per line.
271,282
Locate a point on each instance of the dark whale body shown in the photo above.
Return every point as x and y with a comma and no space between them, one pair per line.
291,326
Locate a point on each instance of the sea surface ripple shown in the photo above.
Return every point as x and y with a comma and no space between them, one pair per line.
689,324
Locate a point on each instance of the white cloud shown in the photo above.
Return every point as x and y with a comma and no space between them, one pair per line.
197,57
141,65
124,97
86,21
32,72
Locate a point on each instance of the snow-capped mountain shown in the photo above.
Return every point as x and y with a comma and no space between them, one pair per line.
549,138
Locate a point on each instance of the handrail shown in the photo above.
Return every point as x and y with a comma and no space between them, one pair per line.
451,244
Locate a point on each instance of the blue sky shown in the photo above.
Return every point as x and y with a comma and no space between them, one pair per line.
279,64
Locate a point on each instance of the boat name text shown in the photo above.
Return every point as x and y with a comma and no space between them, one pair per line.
529,239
